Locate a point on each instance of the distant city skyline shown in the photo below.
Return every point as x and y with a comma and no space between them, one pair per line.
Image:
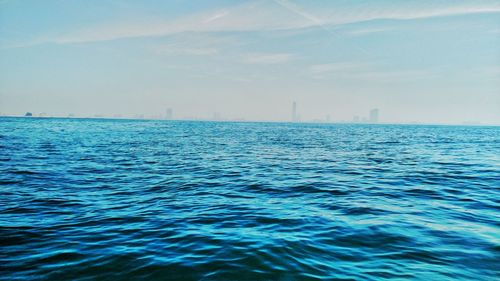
373,117
435,62
216,116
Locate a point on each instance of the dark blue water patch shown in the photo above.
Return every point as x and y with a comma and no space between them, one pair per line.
86,199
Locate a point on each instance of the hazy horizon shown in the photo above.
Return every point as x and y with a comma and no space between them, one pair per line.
416,61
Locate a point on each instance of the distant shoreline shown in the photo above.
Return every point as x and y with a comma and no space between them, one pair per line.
252,121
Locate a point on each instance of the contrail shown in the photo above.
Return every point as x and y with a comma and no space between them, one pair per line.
317,22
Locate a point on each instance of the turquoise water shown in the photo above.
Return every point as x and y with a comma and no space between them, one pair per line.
171,200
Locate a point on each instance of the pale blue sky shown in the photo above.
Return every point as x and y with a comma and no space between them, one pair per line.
426,61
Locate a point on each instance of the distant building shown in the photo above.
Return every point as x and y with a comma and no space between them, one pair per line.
169,114
28,114
355,119
374,115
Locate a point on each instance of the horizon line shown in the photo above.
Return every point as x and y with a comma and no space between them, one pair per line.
464,124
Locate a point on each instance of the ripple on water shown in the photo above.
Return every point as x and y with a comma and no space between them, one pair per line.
167,200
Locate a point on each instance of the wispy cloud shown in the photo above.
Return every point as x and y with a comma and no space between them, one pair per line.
321,71
176,50
216,16
492,72
198,44
264,16
318,22
334,67
364,72
391,76
267,58
245,17
365,31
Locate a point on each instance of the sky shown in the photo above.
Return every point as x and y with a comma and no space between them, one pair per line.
425,61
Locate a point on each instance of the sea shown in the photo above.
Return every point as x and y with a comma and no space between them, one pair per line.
103,199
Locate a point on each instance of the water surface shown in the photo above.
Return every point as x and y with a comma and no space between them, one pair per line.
170,200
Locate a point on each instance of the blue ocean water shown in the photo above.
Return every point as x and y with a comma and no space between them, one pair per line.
88,199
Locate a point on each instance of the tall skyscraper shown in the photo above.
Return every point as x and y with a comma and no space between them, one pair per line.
374,115
295,117
169,114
